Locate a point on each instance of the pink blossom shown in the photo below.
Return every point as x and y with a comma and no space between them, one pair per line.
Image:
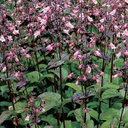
101,29
80,66
19,2
126,52
114,76
27,56
95,66
66,31
76,54
37,33
69,25
89,18
126,1
50,47
88,69
86,110
101,73
94,1
98,81
17,74
97,53
70,75
45,10
10,1
4,69
113,12
10,38
125,33
15,32
76,83
27,118
118,55
102,20
112,46
2,39
16,59
84,78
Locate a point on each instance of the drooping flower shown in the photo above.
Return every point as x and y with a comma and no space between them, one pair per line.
2,39
88,69
97,53
113,12
50,47
70,75
94,1
69,25
112,46
89,18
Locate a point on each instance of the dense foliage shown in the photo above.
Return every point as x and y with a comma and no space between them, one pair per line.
64,63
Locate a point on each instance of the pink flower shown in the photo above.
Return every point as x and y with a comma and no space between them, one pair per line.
17,74
112,46
125,33
88,69
50,47
101,29
97,53
27,118
118,55
94,1
126,1
4,69
95,66
69,25
15,32
70,75
113,12
98,81
84,78
66,31
86,110
89,18
101,73
2,39
45,10
37,33
102,20
27,56
76,54
80,66
126,52
76,83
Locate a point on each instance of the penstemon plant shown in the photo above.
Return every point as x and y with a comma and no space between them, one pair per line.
63,63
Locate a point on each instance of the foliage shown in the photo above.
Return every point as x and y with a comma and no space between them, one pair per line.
64,64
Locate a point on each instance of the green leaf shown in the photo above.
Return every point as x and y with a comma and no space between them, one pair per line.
65,101
55,63
110,93
106,124
50,119
109,114
5,103
49,126
79,115
20,107
51,99
72,85
4,116
33,76
68,124
93,113
90,124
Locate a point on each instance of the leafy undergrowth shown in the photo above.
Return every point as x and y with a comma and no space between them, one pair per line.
63,64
